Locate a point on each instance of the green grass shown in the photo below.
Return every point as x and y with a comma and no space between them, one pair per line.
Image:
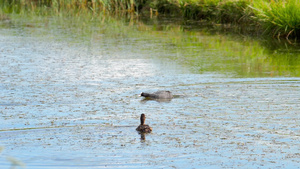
73,6
278,18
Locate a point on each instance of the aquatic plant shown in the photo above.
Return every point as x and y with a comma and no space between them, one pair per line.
77,6
277,17
280,17
234,12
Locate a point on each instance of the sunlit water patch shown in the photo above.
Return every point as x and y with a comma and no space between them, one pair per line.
72,105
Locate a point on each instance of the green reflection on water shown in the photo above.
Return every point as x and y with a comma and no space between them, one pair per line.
242,57
196,49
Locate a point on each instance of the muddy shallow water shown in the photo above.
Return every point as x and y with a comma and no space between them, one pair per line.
66,104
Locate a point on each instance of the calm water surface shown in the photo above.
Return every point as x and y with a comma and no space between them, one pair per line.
70,102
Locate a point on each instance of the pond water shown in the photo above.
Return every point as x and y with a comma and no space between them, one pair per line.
70,98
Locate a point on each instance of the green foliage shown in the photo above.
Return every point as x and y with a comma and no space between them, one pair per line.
280,18
168,7
277,17
211,10
199,10
77,6
234,11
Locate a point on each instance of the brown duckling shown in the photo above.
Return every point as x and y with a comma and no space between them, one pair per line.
143,128
158,95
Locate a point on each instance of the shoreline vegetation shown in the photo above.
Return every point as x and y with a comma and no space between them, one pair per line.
275,18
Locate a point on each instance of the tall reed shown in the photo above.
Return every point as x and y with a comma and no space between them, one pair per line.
280,17
96,6
276,17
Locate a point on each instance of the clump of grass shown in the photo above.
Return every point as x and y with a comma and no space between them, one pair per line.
199,10
234,12
228,11
279,18
275,17
77,6
166,6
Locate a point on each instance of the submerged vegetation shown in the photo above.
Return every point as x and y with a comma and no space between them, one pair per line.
279,18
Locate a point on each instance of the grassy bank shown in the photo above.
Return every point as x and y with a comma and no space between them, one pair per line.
277,18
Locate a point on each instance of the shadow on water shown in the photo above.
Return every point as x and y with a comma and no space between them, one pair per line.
145,99
69,96
158,100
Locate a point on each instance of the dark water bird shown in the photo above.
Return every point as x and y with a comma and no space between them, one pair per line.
158,95
143,128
